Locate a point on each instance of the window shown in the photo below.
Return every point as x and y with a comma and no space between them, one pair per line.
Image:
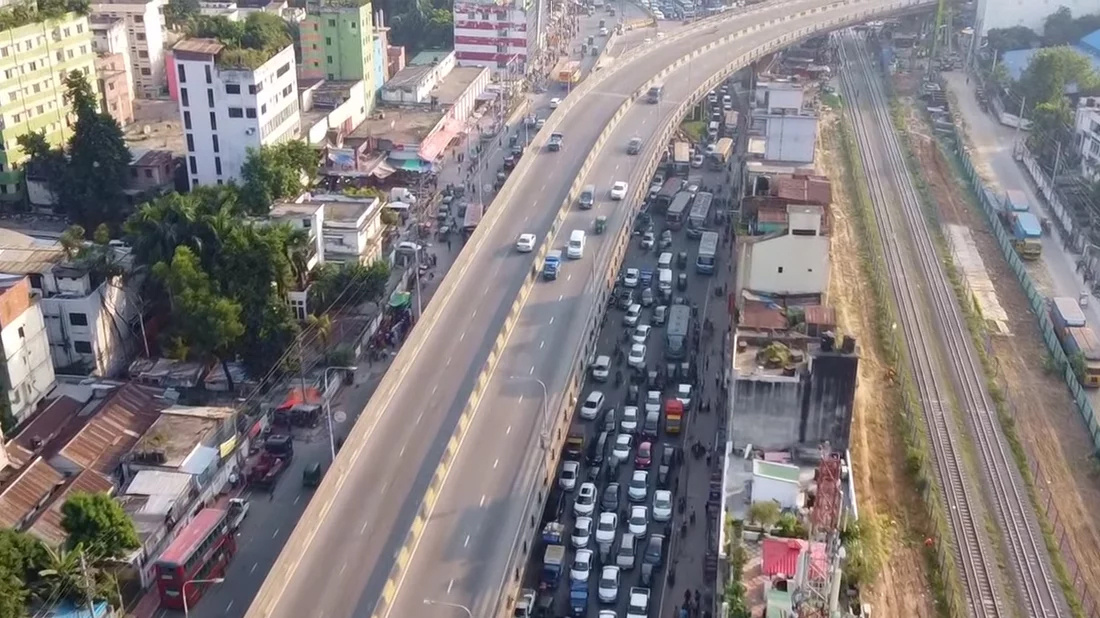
191,163
282,70
328,40
329,59
252,89
209,77
187,120
218,165
232,88
781,270
78,319
82,347
183,97
190,143
250,112
141,53
148,173
213,121
22,335
216,146
210,96
332,23
263,108
141,36
236,112
139,19
146,72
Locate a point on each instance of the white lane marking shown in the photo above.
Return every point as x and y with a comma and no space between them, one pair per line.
532,372
275,534
364,528
228,607
402,453
253,569
482,503
419,416
520,399
448,362
297,498
495,462
467,542
449,586
462,336
568,277
508,431
552,318
473,314
344,567
435,388
542,343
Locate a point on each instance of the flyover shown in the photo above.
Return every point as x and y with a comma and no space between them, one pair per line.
436,488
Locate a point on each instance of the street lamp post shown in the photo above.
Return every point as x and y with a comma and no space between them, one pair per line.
545,433
469,614
183,590
328,409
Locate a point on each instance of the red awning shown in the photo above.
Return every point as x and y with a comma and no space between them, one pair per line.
294,397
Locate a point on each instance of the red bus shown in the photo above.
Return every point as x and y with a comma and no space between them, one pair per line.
201,551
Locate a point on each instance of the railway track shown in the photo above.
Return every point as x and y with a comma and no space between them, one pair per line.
928,309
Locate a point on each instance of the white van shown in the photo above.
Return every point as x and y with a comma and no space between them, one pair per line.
712,131
665,260
664,280
575,250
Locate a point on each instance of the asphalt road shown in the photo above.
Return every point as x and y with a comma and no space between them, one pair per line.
351,540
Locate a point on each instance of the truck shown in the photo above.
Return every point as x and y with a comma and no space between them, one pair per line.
265,467
578,599
1015,215
472,218
708,253
568,72
525,605
679,325
1083,340
674,416
551,265
555,142
681,158
1065,312
721,155
553,562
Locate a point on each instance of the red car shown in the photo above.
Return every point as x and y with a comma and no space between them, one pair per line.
645,455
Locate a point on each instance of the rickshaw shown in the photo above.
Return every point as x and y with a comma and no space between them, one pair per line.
601,224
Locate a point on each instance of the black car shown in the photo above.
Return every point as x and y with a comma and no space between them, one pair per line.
682,259
682,281
509,162
609,501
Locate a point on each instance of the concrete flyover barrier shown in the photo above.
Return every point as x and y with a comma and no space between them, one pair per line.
601,286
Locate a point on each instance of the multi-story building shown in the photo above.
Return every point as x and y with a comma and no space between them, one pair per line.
34,58
113,67
27,374
227,108
338,43
1087,136
786,121
504,35
145,33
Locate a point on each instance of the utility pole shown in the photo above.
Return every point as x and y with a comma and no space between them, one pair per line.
87,584
302,367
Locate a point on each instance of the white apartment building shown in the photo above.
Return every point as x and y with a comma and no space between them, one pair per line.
146,33
794,261
787,122
1087,136
504,35
28,374
226,111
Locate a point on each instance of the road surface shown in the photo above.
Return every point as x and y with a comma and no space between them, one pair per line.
341,557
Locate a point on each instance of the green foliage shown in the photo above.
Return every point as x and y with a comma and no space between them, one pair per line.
350,283
1051,70
1060,28
734,594
276,172
1009,39
205,325
788,526
390,217
863,547
421,24
765,513
1077,363
179,13
87,176
97,523
249,43
29,12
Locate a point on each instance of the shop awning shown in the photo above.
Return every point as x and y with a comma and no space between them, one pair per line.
400,299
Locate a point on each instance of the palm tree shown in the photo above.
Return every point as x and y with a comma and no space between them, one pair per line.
323,325
62,577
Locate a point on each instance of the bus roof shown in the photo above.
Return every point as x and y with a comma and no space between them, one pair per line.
681,152
708,243
671,187
702,204
192,536
679,203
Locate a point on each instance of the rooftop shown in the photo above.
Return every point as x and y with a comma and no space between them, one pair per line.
408,77
777,471
152,158
167,372
430,57
29,259
344,208
114,429
400,125
176,433
457,82
48,526
281,210
204,47
22,495
56,424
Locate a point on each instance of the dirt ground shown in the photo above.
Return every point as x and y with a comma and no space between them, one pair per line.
1046,421
882,486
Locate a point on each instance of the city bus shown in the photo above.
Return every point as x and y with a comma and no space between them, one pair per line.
708,253
700,214
676,210
201,551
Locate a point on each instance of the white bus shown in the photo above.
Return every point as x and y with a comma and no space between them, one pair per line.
676,210
708,253
700,214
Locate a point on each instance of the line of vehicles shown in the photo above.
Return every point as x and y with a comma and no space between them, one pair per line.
1026,229
1079,340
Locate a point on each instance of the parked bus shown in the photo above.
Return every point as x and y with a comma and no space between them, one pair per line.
201,551
720,158
676,210
681,158
669,191
708,253
700,214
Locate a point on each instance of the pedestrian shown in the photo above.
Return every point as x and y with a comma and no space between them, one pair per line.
271,493
448,243
691,518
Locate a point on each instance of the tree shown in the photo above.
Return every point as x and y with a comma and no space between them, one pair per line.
1009,39
21,558
179,13
765,513
1061,28
97,523
349,284
205,325
788,526
276,172
1051,71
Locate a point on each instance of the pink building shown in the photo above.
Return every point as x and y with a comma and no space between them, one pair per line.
499,35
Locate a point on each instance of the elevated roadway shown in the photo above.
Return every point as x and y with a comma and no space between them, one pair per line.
340,560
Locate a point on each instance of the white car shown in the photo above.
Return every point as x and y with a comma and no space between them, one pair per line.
606,527
623,443
609,584
629,422
636,358
603,31
582,566
638,488
567,480
618,190
601,368
554,103
711,148
648,239
638,606
658,15
697,162
660,314
526,243
639,520
586,500
633,312
683,393
652,401
662,505
592,405
630,277
641,333
582,532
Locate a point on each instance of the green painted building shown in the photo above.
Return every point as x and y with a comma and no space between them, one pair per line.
338,43
34,58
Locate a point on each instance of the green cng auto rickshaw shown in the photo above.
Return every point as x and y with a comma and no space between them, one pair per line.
601,224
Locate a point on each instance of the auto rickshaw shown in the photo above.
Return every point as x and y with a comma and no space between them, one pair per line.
601,224
311,475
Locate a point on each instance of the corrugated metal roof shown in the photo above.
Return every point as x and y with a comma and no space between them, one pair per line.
780,556
28,492
29,260
51,428
48,527
820,315
211,47
1070,310
114,429
817,191
756,315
